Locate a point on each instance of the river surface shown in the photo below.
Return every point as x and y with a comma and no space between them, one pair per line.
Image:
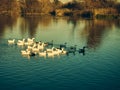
98,69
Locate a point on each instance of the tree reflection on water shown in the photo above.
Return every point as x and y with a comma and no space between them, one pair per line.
6,21
93,31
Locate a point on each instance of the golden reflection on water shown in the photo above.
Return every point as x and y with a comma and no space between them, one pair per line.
95,30
61,29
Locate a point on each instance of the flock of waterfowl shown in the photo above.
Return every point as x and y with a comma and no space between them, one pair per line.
44,49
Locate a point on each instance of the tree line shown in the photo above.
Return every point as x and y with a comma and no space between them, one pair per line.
45,6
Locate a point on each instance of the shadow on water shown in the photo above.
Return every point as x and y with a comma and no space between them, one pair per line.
31,24
93,31
6,21
74,22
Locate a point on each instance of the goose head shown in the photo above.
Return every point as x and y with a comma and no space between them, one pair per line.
23,39
33,38
53,48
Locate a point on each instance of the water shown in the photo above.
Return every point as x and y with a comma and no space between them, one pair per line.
99,69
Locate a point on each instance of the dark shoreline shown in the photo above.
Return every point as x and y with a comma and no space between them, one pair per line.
79,14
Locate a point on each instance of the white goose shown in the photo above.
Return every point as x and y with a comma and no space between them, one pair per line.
50,50
30,40
29,47
42,54
25,52
28,43
40,47
19,41
50,54
56,52
63,51
11,41
34,45
35,50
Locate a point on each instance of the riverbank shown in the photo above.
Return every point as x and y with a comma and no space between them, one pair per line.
64,13
83,9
